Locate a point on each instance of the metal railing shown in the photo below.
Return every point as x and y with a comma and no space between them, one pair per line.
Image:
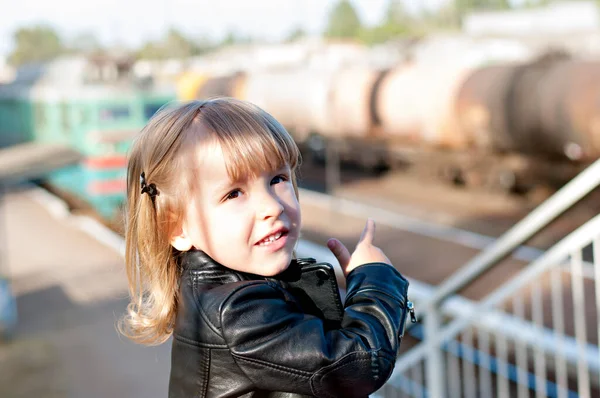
556,354
550,356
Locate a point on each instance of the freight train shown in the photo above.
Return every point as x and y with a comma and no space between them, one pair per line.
90,104
510,126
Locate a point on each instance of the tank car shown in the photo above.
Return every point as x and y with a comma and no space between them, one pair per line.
505,126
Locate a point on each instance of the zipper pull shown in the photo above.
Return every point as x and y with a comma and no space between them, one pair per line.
411,309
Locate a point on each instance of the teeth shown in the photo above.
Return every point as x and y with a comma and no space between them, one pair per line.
270,239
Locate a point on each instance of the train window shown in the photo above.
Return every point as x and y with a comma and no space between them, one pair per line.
151,109
40,115
114,113
64,115
83,115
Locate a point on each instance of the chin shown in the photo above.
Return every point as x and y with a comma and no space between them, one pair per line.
277,268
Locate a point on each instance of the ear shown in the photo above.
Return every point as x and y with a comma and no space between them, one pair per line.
180,240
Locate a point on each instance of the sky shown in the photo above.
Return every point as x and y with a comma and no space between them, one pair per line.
132,22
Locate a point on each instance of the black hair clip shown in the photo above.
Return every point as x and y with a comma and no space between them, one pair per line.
150,189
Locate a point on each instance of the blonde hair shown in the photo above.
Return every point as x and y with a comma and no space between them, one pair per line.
251,140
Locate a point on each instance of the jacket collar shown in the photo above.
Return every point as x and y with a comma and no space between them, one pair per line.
203,265
198,260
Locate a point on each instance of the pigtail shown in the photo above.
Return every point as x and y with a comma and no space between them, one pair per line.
152,203
152,269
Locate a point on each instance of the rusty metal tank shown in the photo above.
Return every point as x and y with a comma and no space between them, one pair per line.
569,110
350,102
415,104
543,108
481,107
298,98
524,96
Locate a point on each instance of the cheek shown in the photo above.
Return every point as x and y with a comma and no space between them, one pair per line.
231,221
292,205
195,224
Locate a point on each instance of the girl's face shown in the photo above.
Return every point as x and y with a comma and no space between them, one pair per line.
250,225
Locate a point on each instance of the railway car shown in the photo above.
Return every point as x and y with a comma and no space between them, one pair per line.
92,105
508,126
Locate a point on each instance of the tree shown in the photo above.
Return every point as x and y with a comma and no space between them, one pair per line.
295,35
178,46
85,42
230,39
174,45
463,7
35,44
396,23
343,22
396,13
482,4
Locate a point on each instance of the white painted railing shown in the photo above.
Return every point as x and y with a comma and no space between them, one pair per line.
536,334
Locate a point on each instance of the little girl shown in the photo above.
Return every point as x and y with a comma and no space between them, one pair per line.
213,219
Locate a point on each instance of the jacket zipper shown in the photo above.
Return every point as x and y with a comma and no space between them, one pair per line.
410,306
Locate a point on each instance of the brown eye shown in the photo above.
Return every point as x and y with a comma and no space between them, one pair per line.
233,194
279,179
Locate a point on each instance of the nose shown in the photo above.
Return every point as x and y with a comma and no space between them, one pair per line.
268,205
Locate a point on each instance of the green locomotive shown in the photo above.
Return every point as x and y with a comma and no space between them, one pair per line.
94,105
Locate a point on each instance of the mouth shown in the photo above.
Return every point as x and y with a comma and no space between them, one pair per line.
272,237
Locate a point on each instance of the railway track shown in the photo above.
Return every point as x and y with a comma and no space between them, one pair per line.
483,212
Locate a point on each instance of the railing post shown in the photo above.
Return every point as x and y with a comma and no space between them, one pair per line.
434,369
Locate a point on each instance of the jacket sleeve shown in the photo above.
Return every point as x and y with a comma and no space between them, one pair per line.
280,348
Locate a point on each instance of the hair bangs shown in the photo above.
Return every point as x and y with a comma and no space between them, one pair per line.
252,141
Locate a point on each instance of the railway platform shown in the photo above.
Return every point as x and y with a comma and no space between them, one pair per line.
70,289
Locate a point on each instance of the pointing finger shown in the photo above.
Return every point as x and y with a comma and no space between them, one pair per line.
368,233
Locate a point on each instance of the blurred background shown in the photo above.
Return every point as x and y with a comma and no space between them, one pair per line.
469,129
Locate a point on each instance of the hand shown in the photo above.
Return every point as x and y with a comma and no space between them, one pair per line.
365,252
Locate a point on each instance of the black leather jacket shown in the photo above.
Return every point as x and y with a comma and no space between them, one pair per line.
242,335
